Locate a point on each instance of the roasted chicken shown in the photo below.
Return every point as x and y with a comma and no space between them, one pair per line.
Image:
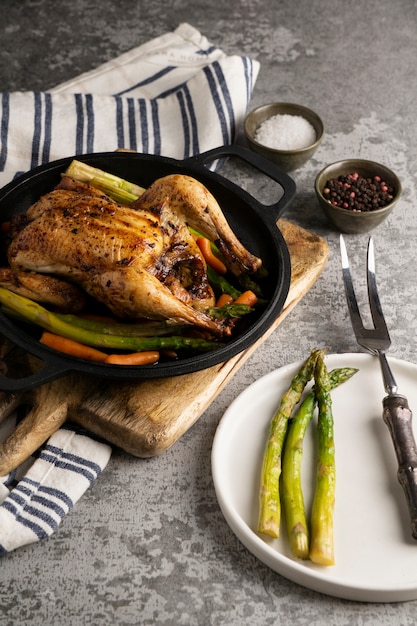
58,294
140,261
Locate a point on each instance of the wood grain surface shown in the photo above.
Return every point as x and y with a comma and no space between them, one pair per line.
145,418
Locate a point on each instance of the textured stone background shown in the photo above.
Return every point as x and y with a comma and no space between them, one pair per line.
148,543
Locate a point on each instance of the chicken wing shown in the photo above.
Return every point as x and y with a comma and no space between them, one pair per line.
62,296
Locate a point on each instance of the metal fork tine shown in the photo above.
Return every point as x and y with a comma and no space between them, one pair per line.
396,412
374,301
352,302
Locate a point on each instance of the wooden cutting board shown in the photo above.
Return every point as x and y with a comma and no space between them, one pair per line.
145,418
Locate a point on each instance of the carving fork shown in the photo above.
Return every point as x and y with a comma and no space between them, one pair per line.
396,412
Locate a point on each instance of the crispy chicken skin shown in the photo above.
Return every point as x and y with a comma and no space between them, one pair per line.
197,207
59,294
139,261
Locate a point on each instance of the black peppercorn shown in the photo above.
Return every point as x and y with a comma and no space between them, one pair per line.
358,193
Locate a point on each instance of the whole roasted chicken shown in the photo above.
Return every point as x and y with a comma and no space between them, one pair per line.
140,261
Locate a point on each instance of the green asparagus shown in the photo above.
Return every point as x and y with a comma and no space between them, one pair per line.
291,488
117,188
246,282
229,310
269,500
37,314
113,327
220,284
322,515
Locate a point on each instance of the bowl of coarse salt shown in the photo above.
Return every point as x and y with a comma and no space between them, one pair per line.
287,134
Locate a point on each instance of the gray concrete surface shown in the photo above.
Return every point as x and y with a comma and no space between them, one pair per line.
148,543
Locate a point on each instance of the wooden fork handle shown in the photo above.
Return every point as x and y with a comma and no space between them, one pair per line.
398,417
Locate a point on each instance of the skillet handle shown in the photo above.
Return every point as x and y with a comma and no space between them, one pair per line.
259,163
51,371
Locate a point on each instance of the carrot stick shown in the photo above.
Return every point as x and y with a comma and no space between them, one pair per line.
247,297
224,299
216,264
74,348
134,358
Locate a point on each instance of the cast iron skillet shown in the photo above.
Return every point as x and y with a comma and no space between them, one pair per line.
253,222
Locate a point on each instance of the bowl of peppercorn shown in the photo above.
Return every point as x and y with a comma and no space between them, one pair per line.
287,134
357,195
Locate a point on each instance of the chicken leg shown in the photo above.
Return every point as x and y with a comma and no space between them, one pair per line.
188,198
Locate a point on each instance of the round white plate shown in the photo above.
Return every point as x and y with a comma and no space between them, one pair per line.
376,556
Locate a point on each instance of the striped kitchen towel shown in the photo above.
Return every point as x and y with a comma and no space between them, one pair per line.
33,506
175,96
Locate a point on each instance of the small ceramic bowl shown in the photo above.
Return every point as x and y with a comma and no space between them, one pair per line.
346,220
287,160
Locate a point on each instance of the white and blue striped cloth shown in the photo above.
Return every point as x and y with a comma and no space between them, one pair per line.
35,499
175,96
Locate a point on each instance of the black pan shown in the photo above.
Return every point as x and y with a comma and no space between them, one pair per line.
254,223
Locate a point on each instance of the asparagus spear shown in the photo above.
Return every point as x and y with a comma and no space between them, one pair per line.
322,539
230,310
269,501
145,329
36,314
221,284
139,329
291,488
247,282
117,188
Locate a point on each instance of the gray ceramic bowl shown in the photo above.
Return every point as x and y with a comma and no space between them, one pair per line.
287,160
346,220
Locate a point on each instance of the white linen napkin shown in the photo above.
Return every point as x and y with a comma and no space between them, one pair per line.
175,96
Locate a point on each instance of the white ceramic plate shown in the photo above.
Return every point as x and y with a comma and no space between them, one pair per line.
376,556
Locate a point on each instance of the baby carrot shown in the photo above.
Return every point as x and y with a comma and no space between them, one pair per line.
247,297
215,263
224,299
71,347
134,358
